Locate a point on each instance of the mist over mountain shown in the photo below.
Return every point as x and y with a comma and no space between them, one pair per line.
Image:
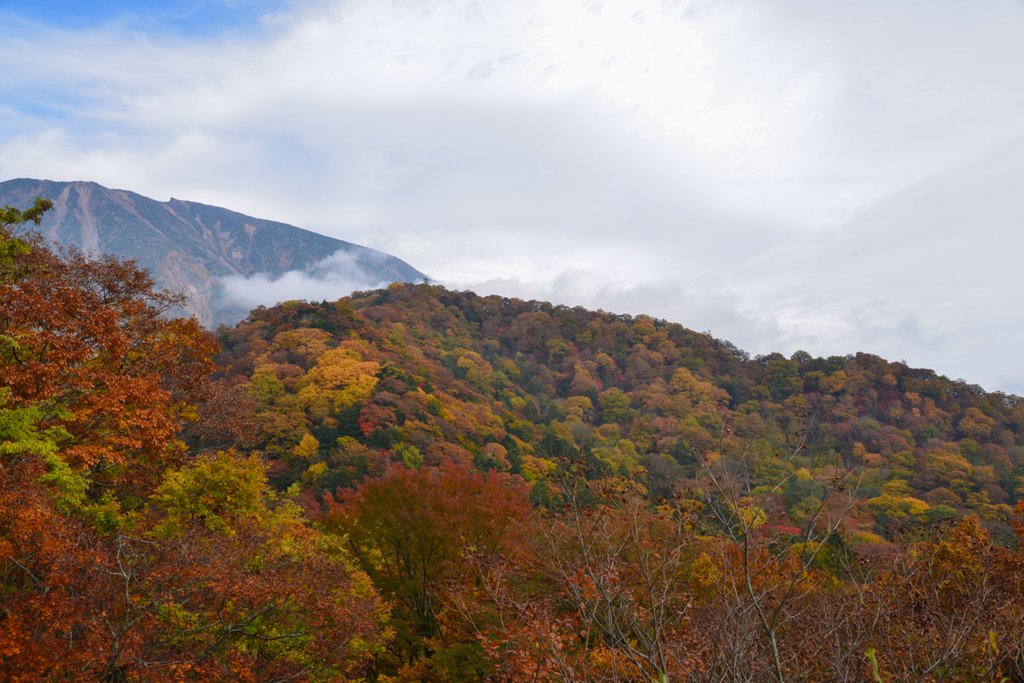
226,261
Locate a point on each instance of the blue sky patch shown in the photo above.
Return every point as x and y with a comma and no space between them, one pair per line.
196,18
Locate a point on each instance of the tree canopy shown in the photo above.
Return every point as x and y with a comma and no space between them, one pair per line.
130,549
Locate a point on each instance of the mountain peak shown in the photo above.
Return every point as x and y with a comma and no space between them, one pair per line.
192,246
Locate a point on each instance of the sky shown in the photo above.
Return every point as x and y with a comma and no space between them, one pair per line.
831,177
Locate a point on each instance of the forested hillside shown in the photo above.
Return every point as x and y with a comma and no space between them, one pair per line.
415,484
419,374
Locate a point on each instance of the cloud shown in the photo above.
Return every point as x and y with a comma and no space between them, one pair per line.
329,279
754,108
835,177
928,274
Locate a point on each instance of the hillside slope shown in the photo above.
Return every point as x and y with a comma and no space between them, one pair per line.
187,245
425,375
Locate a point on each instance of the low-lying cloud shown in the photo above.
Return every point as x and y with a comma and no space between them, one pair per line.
329,279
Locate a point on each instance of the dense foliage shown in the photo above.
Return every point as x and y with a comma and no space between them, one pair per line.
130,549
419,374
415,484
698,514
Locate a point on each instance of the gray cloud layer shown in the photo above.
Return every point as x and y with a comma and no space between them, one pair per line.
828,176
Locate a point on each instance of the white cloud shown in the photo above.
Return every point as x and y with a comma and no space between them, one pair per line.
834,176
329,279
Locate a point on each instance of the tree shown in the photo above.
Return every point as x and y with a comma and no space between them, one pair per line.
761,597
412,530
951,608
123,556
90,344
223,418
626,575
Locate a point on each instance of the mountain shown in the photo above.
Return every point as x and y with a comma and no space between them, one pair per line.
192,246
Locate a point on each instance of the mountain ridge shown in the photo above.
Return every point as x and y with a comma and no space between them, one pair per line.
192,246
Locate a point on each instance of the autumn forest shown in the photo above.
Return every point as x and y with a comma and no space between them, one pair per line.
418,484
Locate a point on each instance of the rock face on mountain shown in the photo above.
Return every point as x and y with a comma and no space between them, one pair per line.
192,247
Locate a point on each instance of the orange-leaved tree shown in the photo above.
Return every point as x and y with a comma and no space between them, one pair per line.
413,531
123,555
89,343
601,592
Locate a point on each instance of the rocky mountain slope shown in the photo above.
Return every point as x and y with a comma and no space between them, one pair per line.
192,246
